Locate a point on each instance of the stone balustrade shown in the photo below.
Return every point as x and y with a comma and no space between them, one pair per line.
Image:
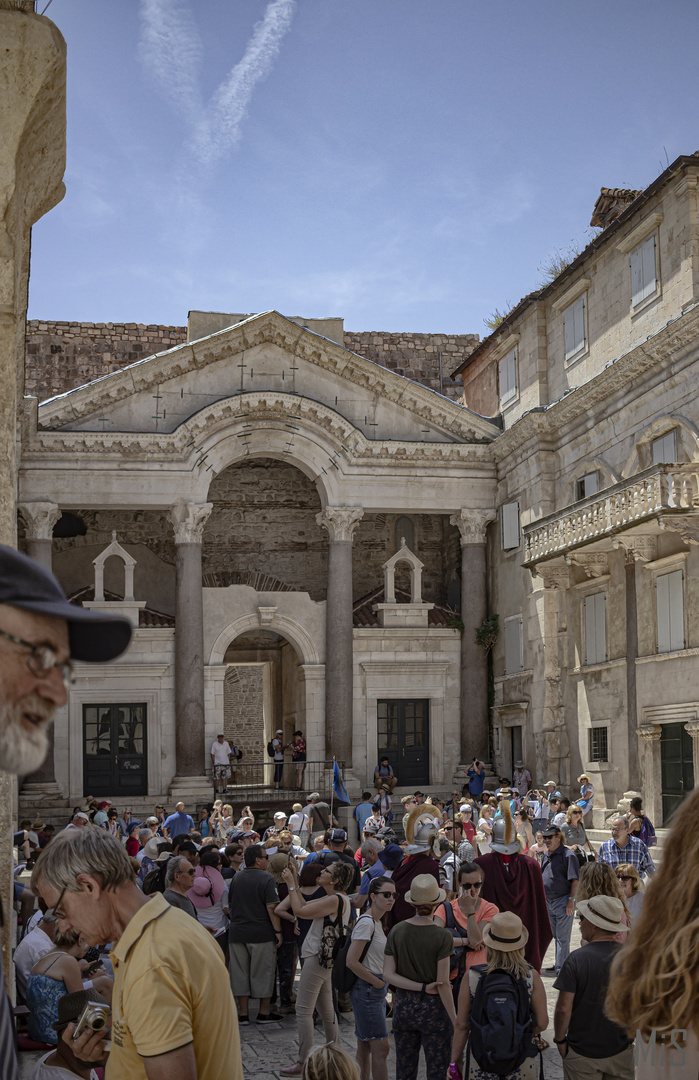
659,490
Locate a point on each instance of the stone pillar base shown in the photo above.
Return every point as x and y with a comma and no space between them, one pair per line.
461,774
40,793
191,789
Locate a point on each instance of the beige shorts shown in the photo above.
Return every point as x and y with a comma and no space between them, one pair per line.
252,968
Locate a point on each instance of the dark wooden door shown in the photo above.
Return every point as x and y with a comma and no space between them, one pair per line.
404,737
677,767
114,750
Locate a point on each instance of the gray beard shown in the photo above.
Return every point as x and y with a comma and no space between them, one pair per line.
23,751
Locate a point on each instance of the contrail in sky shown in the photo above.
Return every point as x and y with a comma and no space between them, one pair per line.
170,46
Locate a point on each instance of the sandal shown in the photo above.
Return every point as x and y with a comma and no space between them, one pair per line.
540,1043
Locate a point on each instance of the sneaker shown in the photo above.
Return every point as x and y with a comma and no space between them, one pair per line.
551,971
269,1018
243,1021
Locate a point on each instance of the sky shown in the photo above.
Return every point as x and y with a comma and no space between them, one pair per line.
402,164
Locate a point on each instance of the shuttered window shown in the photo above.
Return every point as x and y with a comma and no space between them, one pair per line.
507,371
596,628
513,645
574,326
587,485
509,525
665,448
669,599
643,271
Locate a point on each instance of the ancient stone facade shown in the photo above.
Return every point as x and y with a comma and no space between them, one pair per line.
429,359
242,708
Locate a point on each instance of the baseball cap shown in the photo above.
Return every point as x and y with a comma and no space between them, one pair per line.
338,836
93,636
280,814
551,830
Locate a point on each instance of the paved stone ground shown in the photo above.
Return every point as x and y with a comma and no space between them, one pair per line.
267,1050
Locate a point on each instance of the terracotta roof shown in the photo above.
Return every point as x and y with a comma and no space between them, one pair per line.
363,616
611,203
146,616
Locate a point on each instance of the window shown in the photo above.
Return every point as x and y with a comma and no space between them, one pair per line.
507,371
669,600
509,525
599,744
587,485
665,447
644,279
513,644
595,628
574,327
404,529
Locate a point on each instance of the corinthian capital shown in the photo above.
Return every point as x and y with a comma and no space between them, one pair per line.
340,521
39,519
472,524
189,519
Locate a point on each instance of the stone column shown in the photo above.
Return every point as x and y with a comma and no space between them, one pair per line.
473,740
341,522
188,519
548,714
39,519
651,770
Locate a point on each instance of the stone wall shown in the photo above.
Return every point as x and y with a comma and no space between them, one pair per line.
63,355
242,710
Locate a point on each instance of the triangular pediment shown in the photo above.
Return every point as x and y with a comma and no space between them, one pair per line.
265,352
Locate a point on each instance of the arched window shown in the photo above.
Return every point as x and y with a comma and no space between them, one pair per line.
404,529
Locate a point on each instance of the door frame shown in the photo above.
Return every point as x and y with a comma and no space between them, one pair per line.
683,729
397,764
649,734
111,705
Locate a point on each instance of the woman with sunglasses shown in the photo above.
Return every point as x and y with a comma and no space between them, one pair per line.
469,915
634,889
575,836
368,995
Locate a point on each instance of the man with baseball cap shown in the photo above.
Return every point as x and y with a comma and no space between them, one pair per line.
590,1044
560,871
40,634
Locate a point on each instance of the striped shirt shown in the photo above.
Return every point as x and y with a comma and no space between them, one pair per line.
635,852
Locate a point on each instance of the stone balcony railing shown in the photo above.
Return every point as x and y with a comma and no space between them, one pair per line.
662,489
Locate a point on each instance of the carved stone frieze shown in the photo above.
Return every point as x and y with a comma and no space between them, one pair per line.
553,575
687,525
340,521
472,524
189,519
636,548
39,519
594,565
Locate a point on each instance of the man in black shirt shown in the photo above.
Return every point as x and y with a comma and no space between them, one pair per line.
590,1044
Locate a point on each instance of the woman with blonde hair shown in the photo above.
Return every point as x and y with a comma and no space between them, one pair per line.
574,833
329,1062
634,889
654,982
505,938
524,830
53,975
599,879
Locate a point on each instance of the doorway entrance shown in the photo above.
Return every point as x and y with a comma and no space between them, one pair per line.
114,750
404,738
677,767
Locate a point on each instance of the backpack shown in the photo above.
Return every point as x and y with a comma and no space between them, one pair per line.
457,960
332,937
501,1021
154,881
270,749
342,978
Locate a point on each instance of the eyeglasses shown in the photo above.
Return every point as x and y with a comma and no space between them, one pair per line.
42,659
192,872
59,914
472,885
624,877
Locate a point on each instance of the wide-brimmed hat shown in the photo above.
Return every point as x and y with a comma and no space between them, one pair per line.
505,932
550,783
425,890
519,764
583,776
605,912
391,856
92,635
150,848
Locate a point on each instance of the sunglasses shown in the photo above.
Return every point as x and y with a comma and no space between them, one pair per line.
472,885
186,872
577,812
388,895
624,877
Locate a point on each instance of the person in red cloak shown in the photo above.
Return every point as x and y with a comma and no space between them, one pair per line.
513,881
421,856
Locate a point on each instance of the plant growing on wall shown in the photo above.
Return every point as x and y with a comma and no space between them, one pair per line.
487,632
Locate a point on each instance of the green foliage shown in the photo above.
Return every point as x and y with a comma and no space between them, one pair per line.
487,632
457,622
497,317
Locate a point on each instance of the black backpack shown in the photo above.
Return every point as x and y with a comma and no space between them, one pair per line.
457,960
270,749
501,1022
342,978
154,881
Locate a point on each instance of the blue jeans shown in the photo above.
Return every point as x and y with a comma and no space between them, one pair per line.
562,926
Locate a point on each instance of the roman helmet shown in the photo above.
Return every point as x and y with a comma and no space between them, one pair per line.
504,839
422,831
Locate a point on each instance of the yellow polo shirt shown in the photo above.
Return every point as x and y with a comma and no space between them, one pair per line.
171,988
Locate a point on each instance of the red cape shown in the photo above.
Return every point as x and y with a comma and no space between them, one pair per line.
522,891
403,877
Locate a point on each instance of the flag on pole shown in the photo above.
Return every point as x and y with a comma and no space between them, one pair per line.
338,786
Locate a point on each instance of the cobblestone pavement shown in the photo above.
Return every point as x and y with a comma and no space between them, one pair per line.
268,1049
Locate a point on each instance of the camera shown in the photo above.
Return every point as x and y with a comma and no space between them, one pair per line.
94,1016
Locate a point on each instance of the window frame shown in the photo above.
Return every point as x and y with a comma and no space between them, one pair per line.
664,574
581,479
646,297
513,390
570,313
506,526
598,731
514,620
661,439
595,616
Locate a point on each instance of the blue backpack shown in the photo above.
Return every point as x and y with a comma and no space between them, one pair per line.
501,1022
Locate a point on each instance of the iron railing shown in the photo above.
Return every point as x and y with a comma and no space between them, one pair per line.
254,780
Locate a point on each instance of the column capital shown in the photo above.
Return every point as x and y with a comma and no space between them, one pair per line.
636,547
553,575
189,519
649,732
340,521
39,519
472,524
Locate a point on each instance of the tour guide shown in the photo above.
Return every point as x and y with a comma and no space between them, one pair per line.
172,1008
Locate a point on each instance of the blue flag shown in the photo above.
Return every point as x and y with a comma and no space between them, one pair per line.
338,785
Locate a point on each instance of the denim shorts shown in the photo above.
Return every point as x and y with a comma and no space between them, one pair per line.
369,1007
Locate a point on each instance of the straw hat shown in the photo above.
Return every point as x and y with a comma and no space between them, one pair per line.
505,932
583,776
425,890
605,912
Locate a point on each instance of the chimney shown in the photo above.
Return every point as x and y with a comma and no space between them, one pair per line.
611,203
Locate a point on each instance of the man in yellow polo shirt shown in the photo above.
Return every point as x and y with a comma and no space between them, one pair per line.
173,1013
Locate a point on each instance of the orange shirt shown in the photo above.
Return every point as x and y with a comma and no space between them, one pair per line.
485,913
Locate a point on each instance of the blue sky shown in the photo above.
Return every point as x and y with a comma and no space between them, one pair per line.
404,164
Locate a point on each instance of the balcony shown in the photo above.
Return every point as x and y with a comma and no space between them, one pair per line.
660,490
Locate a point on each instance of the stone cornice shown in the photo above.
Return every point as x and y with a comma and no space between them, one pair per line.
222,419
267,328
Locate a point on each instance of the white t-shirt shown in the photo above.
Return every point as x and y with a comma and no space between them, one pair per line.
54,1072
365,926
278,749
31,948
298,823
221,752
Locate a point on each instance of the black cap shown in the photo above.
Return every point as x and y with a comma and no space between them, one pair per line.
93,636
551,830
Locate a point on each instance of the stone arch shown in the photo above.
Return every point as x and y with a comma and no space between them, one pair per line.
608,476
403,555
640,457
294,632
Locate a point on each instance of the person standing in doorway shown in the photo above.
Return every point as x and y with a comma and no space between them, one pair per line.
298,756
221,762
278,749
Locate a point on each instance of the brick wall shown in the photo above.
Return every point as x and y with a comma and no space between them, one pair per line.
63,355
242,711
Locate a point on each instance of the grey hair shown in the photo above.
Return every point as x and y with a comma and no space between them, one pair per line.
173,866
89,850
144,834
369,845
